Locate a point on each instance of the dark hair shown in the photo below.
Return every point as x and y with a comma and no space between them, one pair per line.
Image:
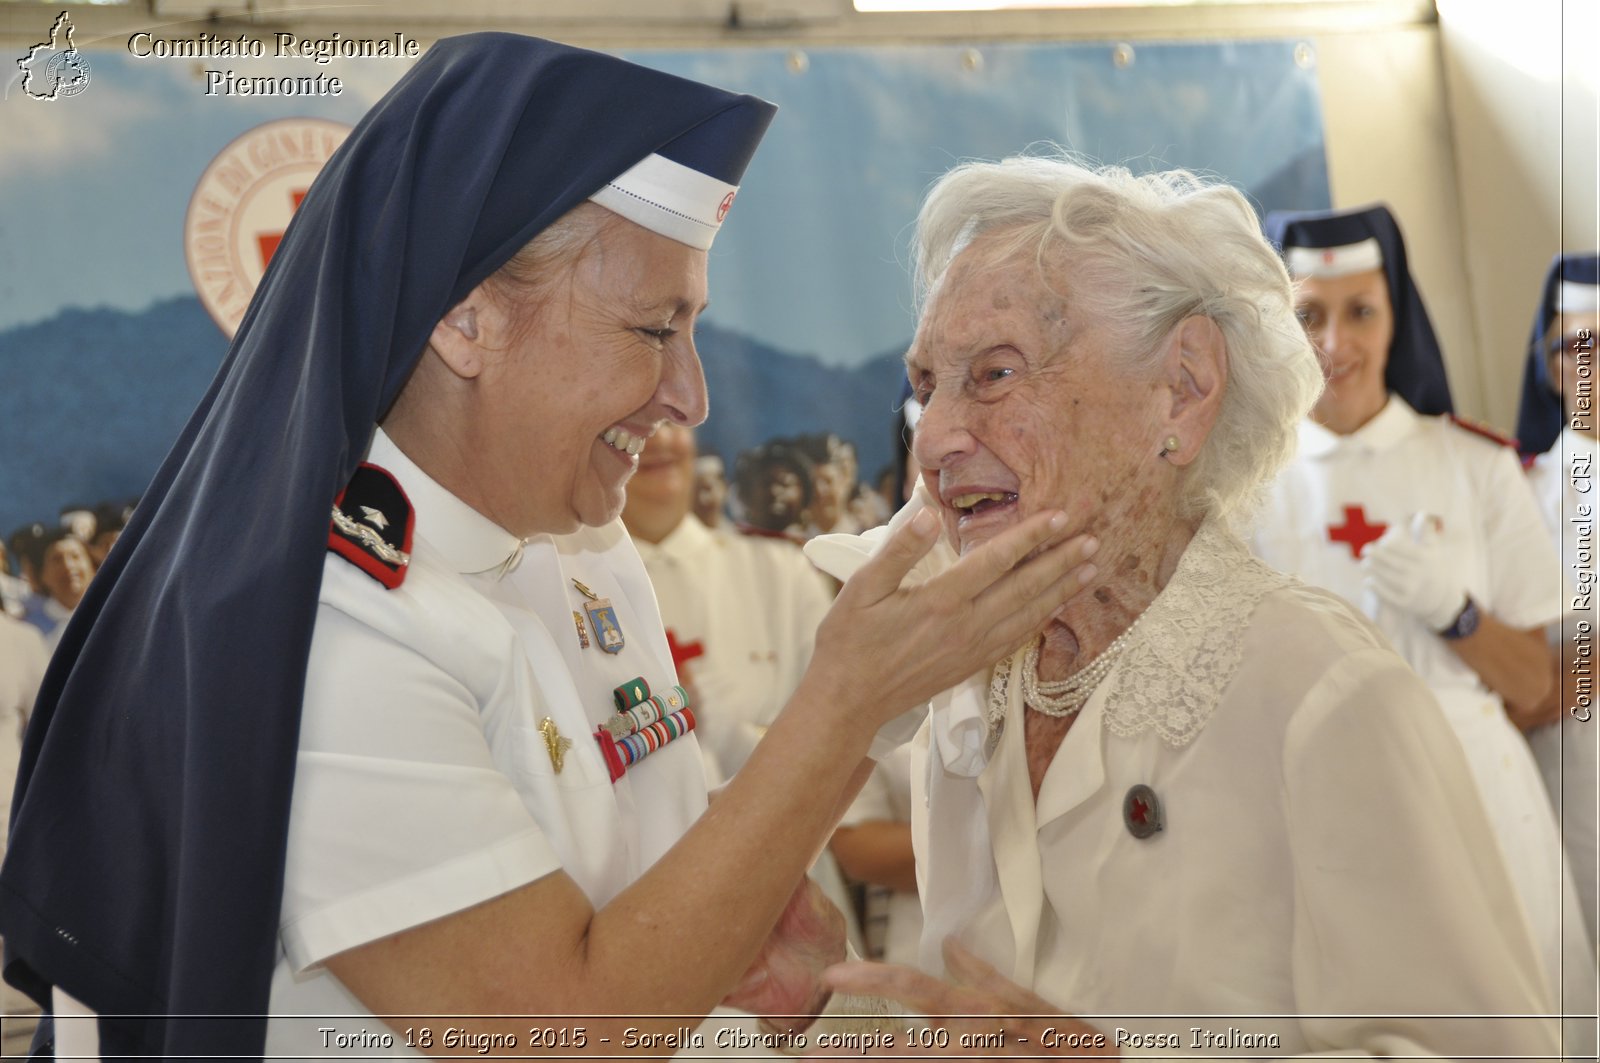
39,545
753,466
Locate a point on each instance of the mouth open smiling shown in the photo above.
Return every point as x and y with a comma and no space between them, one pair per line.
976,503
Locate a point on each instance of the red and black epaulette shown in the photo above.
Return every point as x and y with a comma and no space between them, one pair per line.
372,524
1483,430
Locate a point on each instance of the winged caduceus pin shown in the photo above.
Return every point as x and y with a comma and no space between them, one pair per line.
555,743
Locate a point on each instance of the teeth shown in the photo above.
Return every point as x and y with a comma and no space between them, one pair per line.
968,501
619,438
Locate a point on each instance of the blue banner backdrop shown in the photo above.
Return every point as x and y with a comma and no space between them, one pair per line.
105,347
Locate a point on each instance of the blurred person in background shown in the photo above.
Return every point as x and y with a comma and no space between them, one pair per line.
64,570
1427,525
22,662
710,490
740,610
109,520
1557,423
773,485
21,543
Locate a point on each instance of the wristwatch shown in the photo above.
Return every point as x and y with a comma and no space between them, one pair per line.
1465,623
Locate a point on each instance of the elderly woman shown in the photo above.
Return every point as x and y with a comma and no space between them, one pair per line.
1557,421
1207,790
1427,525
334,733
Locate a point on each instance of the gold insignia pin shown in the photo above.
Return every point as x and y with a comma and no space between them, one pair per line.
555,743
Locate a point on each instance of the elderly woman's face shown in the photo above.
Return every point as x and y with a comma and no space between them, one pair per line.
1351,324
605,359
1023,411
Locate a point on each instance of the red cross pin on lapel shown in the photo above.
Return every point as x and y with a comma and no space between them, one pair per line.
1355,532
1141,812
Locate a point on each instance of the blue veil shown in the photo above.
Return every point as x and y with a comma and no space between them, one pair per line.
147,849
1415,370
1540,417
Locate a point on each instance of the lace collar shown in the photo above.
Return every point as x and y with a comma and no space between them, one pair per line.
1172,677
1187,646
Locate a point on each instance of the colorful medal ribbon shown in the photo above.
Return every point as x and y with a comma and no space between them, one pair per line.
643,727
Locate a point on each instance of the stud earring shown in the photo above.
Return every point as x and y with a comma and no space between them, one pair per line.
1169,446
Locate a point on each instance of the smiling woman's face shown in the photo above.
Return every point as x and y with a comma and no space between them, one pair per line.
1022,410
1351,323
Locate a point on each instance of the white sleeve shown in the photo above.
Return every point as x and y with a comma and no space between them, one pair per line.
1400,891
1525,575
399,815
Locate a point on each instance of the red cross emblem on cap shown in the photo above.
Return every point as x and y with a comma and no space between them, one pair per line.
722,208
1327,256
1355,532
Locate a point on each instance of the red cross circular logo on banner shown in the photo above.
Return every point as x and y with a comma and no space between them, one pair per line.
722,208
243,203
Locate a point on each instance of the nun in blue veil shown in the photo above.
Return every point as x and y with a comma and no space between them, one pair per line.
1557,425
363,720
1427,524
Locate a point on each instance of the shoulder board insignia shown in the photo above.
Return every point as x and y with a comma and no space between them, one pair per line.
372,524
1482,430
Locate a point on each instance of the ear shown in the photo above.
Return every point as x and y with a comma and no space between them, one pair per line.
1196,365
458,338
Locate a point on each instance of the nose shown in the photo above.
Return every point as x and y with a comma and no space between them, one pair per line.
942,437
683,387
1327,337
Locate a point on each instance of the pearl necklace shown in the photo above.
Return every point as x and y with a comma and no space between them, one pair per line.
1055,697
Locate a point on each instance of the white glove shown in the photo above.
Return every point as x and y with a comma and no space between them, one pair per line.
1409,569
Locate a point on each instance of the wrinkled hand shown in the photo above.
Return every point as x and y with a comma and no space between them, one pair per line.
783,986
973,989
1409,569
888,647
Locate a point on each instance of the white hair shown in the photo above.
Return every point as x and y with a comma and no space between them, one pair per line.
1139,255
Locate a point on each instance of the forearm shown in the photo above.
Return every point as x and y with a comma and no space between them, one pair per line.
672,944
1512,662
878,852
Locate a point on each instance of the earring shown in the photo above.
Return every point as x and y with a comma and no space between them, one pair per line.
1169,446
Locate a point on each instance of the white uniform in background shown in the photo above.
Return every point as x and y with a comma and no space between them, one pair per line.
22,663
753,605
1341,492
1563,480
893,917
